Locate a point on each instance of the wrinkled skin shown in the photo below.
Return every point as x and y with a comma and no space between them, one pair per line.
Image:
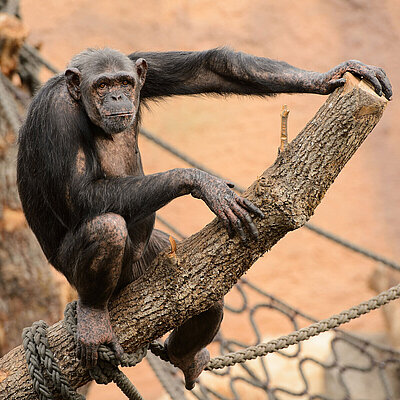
87,199
375,75
110,98
233,211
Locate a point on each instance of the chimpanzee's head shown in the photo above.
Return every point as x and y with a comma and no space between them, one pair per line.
107,83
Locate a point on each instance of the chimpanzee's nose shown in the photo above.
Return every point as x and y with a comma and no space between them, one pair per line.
116,96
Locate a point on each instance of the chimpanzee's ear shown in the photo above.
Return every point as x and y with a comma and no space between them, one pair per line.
73,79
141,69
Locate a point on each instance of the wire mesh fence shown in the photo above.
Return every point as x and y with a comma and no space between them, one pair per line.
336,365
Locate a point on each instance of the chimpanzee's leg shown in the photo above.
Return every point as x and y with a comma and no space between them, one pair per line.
91,257
186,344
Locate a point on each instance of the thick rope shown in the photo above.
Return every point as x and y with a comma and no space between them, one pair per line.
165,373
303,334
39,357
349,335
47,376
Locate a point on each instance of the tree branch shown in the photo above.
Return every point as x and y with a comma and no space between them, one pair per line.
208,264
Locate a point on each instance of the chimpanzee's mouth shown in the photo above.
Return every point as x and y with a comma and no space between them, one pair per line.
120,114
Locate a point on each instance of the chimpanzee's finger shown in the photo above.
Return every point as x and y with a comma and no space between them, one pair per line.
116,348
237,225
335,83
78,351
248,205
91,355
224,219
245,218
386,85
83,355
370,76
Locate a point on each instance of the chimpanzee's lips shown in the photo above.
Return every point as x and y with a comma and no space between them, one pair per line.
120,114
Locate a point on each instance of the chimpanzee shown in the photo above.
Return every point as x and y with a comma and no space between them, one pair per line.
84,192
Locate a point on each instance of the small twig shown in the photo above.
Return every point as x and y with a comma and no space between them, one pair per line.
173,247
284,133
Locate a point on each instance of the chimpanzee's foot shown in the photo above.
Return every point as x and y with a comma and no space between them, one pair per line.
93,329
191,366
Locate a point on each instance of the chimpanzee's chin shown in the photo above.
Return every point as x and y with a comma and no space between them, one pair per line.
116,125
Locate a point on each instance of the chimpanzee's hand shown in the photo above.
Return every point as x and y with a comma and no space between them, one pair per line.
376,76
233,210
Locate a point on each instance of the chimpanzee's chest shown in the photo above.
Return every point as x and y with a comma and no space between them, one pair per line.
120,155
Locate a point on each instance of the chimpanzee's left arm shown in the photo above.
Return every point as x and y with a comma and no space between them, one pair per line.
224,71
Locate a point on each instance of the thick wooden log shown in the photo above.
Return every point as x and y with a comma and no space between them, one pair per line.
208,264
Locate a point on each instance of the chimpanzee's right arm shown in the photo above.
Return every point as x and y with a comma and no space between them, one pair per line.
137,197
225,71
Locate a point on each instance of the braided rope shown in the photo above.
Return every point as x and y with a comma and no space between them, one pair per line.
300,335
46,374
105,353
159,350
39,357
166,375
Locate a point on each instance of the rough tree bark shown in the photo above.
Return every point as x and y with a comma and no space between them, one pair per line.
208,264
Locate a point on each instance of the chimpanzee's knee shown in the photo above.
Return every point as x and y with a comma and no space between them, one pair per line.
108,228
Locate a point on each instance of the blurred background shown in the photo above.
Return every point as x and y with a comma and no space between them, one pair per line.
238,137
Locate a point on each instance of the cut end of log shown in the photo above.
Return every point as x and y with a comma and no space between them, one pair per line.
353,82
376,103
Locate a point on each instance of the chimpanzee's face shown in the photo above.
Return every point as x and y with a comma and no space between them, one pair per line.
110,96
111,101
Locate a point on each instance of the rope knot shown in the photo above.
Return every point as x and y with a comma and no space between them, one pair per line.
47,376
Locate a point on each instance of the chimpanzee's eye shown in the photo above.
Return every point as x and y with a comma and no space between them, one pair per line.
102,85
125,83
